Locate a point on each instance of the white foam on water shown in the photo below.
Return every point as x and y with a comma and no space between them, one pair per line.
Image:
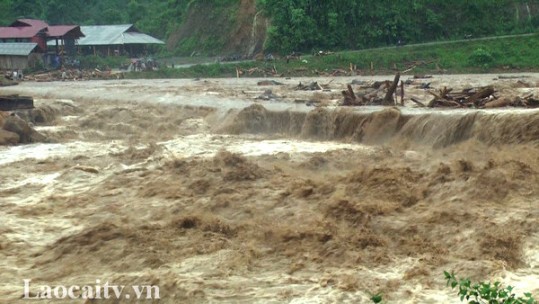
44,151
208,145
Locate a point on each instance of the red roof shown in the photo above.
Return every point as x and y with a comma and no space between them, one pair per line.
57,31
19,32
29,28
30,22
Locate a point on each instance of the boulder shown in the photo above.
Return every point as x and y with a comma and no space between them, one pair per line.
26,133
8,138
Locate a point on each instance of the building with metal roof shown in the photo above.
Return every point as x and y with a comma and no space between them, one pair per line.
38,31
109,39
18,55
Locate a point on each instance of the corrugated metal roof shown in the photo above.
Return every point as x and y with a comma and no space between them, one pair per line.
17,49
102,34
139,38
114,35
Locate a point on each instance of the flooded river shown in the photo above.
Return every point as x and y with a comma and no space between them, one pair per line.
214,197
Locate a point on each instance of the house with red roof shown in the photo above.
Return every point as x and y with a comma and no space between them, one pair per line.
26,30
38,32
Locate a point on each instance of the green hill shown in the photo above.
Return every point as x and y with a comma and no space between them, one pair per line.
245,27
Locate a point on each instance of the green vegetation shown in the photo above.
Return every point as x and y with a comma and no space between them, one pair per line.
337,24
296,25
493,55
479,293
91,62
486,292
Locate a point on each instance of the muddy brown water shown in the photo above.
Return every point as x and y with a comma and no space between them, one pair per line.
193,187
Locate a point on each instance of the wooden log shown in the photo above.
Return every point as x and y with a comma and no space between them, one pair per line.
433,102
388,99
402,93
408,69
499,103
444,92
349,96
448,103
419,103
532,102
482,93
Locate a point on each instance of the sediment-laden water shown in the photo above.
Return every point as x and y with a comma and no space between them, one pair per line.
190,187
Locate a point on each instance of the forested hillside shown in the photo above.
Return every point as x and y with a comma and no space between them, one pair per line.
307,24
224,26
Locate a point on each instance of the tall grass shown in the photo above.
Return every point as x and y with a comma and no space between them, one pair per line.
514,54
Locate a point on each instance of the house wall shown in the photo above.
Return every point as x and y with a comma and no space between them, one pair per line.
41,43
129,50
10,62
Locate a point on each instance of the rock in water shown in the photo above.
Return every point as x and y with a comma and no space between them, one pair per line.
20,127
8,138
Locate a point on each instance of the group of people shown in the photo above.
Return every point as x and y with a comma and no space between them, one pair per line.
14,75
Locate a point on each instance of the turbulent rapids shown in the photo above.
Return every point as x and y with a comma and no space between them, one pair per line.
196,189
432,129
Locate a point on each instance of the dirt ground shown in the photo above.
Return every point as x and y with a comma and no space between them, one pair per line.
173,183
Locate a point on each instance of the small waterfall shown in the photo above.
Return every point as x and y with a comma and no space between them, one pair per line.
390,125
253,42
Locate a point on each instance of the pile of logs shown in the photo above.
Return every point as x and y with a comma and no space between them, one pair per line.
479,98
468,98
386,93
379,93
272,71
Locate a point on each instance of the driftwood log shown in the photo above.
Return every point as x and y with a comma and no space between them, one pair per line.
388,99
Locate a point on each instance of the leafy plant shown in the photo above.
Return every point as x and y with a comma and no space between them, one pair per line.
377,298
481,57
486,292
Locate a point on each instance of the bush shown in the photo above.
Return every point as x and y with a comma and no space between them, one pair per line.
486,292
92,62
481,58
479,293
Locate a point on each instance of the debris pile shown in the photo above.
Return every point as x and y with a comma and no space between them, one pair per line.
272,71
387,93
479,98
313,86
74,75
379,93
